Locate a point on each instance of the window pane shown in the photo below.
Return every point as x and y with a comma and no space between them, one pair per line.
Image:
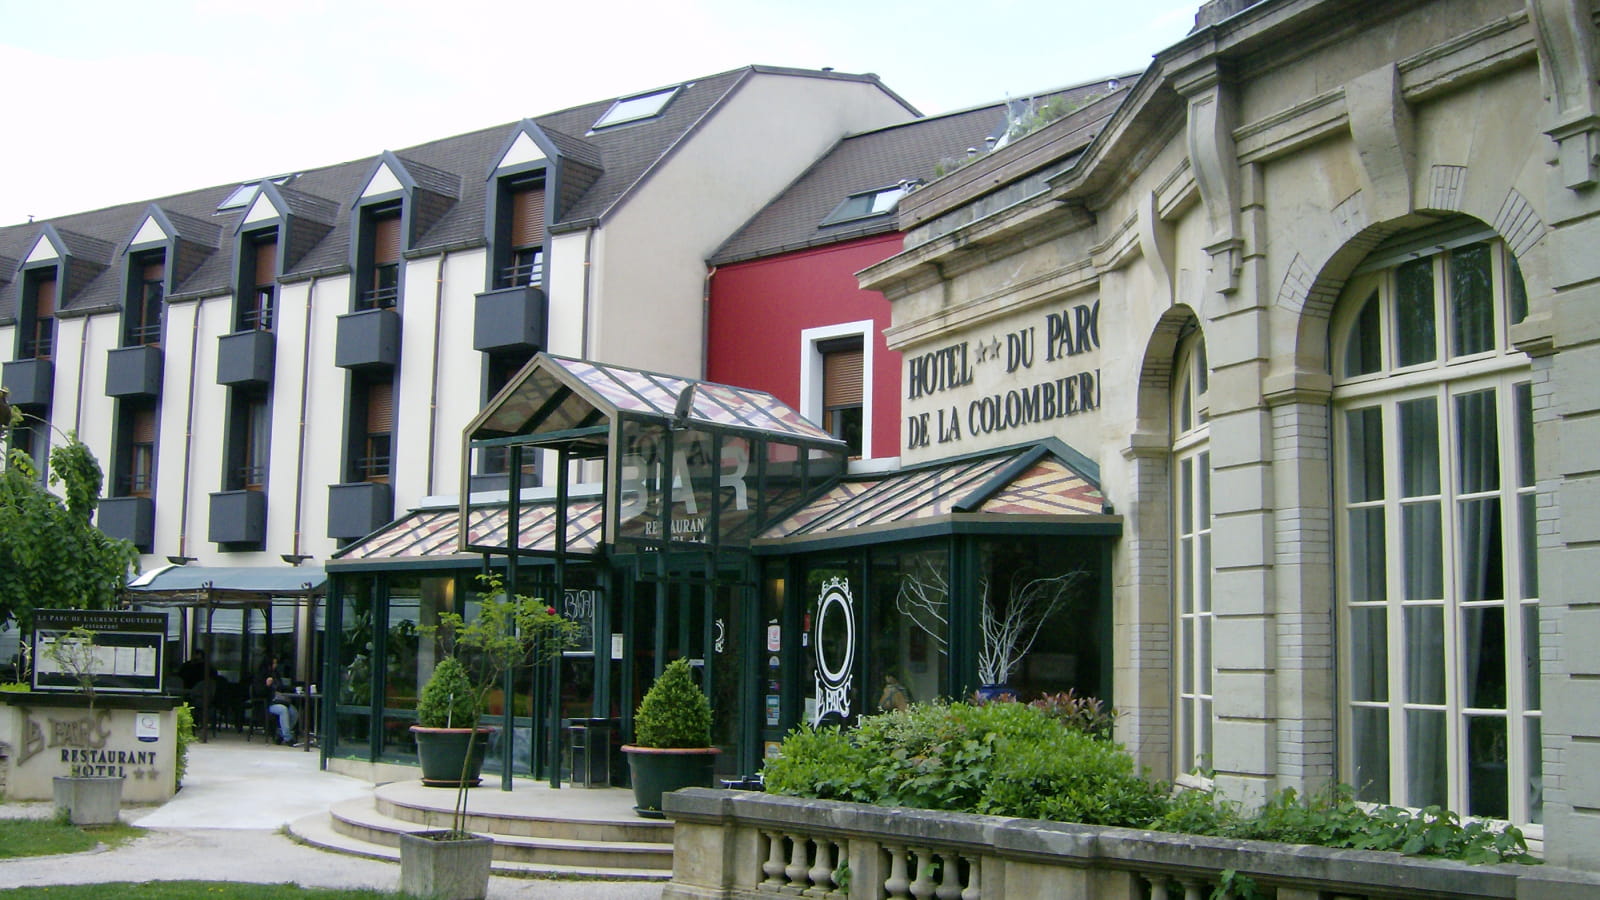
1530,656
1528,537
1422,549
1203,625
1414,312
1363,349
1471,299
1369,653
1369,749
1482,562
1535,774
1522,401
1203,479
1486,767
1187,686
1516,290
1365,427
1368,558
1186,497
1425,655
1203,754
1202,576
1477,442
1419,447
1186,732
1426,762
1186,551
1483,642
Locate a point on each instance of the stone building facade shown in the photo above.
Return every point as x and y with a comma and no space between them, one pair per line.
1318,301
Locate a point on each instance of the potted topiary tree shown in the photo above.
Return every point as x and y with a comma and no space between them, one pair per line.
671,746
83,799
507,632
450,745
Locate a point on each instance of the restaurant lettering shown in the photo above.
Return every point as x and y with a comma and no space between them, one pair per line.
81,744
1065,334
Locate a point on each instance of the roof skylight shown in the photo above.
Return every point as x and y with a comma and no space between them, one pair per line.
639,106
865,205
243,193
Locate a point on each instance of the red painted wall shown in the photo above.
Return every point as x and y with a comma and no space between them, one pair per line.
759,308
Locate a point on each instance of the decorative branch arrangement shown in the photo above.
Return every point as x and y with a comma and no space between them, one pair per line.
1008,630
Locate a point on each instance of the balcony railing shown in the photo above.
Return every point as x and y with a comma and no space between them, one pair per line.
378,298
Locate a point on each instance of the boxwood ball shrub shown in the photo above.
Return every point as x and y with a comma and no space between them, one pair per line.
675,712
449,699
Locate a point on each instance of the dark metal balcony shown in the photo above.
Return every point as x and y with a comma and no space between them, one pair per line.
129,518
357,509
369,339
245,359
133,372
238,517
511,319
30,382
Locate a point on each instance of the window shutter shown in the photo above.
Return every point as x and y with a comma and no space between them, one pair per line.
527,217
386,239
44,301
842,378
144,426
380,408
266,262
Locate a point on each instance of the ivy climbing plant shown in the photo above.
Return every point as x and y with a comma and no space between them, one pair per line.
52,555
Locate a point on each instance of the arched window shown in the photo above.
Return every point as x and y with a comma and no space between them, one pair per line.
1435,509
1191,491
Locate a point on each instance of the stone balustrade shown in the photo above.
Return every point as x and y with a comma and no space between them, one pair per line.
748,845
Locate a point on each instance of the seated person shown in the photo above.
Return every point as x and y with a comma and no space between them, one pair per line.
276,689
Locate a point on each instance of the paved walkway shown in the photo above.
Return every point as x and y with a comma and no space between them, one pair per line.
226,825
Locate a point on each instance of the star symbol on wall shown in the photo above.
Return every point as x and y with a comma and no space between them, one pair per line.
991,349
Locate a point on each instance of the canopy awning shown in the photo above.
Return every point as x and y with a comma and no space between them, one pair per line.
1044,484
432,534
226,585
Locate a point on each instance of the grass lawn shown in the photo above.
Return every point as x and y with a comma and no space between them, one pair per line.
188,890
43,837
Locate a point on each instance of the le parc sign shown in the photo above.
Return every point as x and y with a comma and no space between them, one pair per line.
1006,386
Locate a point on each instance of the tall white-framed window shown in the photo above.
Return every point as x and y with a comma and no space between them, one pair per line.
1436,537
845,410
1191,493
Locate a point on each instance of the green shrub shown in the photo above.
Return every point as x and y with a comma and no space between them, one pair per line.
675,712
449,699
185,737
16,687
1004,759
1085,714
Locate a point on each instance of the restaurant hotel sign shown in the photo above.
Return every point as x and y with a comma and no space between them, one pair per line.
1005,387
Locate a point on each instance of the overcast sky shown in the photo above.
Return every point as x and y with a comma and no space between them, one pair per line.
113,101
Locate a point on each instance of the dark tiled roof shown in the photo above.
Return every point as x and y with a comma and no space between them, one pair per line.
605,165
912,151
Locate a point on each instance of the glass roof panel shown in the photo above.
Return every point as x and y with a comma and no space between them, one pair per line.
435,532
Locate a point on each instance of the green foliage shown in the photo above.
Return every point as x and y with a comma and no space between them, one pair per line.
507,632
1005,759
185,737
53,556
47,837
448,699
1082,714
675,712
76,652
1036,761
16,687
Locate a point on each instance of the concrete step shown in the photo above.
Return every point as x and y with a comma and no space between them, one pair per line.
551,822
360,824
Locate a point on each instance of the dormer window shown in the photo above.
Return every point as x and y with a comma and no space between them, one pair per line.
260,282
521,260
380,282
39,328
637,107
865,205
146,290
